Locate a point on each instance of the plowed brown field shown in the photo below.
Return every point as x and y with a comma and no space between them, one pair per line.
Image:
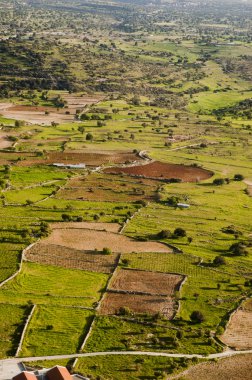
238,334
146,282
89,240
138,304
234,368
89,158
163,171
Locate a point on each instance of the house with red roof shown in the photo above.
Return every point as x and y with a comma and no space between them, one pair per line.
25,376
58,373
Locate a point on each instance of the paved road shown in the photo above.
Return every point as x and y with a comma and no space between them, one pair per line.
13,365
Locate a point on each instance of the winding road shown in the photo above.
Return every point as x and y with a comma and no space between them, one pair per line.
13,366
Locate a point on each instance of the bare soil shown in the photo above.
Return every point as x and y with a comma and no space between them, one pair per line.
112,303
109,227
164,171
36,114
234,368
96,187
89,158
147,282
65,257
4,142
89,240
238,334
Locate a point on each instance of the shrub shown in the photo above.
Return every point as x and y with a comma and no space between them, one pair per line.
164,234
180,232
219,260
218,181
238,177
106,251
197,317
66,218
238,249
89,137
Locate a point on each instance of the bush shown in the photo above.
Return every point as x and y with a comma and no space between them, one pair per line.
89,137
238,177
218,181
197,317
106,251
219,260
180,232
66,218
238,249
164,234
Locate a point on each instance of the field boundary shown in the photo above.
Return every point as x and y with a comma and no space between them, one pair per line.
20,265
25,329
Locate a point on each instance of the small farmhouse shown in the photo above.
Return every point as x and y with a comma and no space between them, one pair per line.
69,166
25,376
183,205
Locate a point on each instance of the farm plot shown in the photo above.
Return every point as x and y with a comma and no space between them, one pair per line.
114,302
163,171
12,319
90,158
238,334
75,101
90,240
233,368
146,282
52,254
37,115
109,188
56,330
142,292
50,285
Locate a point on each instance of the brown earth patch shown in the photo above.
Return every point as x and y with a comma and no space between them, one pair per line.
112,303
90,240
109,227
4,142
36,117
88,158
234,368
97,186
80,101
238,333
51,254
164,171
146,282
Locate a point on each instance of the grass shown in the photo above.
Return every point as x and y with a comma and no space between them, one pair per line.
49,285
129,367
12,320
201,290
146,333
56,330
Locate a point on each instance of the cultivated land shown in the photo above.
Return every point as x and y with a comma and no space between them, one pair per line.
155,102
238,333
164,171
87,239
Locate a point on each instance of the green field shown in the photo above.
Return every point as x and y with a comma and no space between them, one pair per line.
56,330
48,285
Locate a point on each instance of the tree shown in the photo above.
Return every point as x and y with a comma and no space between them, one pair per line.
66,217
219,260
218,181
197,317
238,177
106,251
81,129
180,232
89,136
164,234
239,249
